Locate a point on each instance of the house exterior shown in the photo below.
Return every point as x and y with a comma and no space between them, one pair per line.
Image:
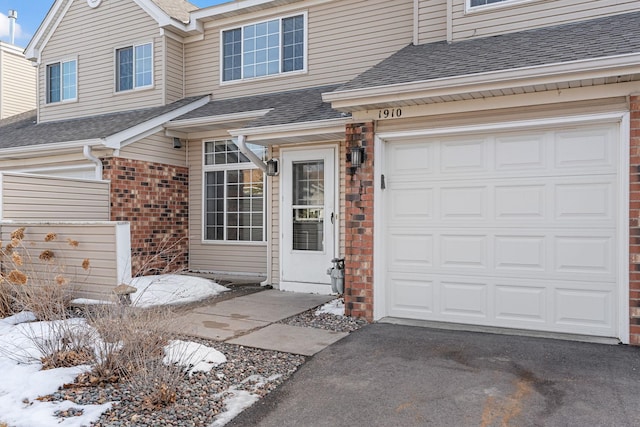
467,158
17,81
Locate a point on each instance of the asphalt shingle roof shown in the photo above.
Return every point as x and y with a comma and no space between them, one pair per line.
596,38
22,130
177,9
296,106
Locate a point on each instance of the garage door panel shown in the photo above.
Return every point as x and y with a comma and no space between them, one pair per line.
463,202
520,202
464,299
464,251
521,303
585,200
515,253
590,310
520,152
584,254
516,229
581,148
466,156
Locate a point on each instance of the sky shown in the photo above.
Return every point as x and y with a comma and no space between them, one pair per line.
32,12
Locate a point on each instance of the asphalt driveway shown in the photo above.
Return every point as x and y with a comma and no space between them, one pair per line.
392,375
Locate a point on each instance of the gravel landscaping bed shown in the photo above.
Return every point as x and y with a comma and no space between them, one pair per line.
205,398
329,322
201,397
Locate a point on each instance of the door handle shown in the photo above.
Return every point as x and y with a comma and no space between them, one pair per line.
333,217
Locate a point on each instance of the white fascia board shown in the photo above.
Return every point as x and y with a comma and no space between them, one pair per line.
116,141
54,147
222,118
542,74
318,127
46,30
10,48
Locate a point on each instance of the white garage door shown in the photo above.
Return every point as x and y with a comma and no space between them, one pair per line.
513,229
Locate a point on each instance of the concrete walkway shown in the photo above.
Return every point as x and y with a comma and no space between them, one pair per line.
250,320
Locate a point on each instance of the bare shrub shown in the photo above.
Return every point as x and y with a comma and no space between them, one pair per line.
162,258
36,277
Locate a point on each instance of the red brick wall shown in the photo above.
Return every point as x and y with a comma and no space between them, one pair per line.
153,197
358,294
634,221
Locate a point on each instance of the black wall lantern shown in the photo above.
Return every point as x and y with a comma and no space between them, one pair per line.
272,167
356,157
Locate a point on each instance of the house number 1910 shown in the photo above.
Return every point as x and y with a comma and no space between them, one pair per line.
390,113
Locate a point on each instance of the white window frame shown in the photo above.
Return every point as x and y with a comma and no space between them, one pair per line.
500,4
280,73
46,78
224,168
117,68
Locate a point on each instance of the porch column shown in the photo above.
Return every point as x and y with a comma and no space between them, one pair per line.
358,293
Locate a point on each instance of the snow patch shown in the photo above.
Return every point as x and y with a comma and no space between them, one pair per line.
335,307
198,357
171,289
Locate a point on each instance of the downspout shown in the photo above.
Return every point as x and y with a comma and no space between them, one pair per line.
86,151
242,146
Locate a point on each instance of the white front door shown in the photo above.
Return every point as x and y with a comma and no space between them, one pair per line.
308,219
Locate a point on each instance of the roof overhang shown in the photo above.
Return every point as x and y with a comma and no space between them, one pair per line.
205,126
316,131
613,69
55,148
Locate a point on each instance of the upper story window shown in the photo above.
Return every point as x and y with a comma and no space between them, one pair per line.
62,81
233,193
474,3
134,67
264,48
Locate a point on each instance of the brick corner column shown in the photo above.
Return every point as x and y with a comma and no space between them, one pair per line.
358,293
634,220
154,199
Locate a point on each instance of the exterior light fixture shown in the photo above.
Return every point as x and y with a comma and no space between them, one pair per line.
272,167
355,157
177,143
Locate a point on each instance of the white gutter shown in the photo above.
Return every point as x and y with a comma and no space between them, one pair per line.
86,152
52,147
493,80
242,145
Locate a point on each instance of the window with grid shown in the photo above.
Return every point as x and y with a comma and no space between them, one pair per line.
233,193
134,67
62,81
263,48
474,3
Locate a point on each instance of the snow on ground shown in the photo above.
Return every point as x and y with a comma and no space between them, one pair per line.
197,357
171,289
166,289
23,380
335,307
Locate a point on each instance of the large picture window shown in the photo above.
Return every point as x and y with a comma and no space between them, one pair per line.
233,194
134,67
263,48
62,81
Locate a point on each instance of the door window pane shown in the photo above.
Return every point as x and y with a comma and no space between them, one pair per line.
308,206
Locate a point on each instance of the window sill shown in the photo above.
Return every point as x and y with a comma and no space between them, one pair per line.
135,90
487,8
66,101
231,243
262,78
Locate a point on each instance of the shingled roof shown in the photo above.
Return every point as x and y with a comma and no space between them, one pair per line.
22,130
296,106
177,9
596,38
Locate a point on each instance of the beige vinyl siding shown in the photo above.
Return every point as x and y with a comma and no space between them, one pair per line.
505,18
46,198
113,25
504,115
96,242
17,83
224,257
432,21
175,70
341,44
156,148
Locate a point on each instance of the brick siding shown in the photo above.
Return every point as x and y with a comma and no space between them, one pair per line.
634,221
153,197
359,190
